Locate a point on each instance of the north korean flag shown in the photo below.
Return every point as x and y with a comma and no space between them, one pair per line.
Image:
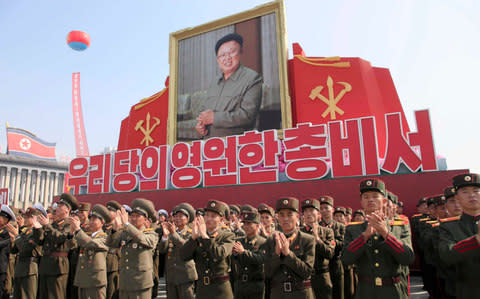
24,143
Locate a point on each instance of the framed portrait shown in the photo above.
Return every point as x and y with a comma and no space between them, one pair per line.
229,76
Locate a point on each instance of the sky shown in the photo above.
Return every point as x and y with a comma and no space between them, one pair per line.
431,48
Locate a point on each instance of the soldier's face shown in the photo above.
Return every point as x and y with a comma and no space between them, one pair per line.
469,198
372,201
180,220
310,215
62,211
138,220
358,218
287,220
83,216
3,221
212,220
441,211
327,211
228,57
250,228
95,224
453,207
339,217
422,209
266,219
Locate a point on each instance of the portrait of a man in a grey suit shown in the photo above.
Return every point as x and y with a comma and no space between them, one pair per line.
233,99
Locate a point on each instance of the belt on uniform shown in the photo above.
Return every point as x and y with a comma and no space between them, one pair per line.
247,278
207,280
290,286
27,259
380,281
58,254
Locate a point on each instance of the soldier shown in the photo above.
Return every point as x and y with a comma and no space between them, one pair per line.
91,272
290,255
460,239
358,216
324,248
15,226
180,274
376,248
211,247
136,244
235,222
336,267
57,241
83,215
113,255
267,222
6,236
248,259
348,215
340,215
28,252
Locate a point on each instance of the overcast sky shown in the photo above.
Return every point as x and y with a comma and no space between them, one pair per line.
432,49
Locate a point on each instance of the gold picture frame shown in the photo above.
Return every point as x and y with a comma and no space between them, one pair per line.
187,86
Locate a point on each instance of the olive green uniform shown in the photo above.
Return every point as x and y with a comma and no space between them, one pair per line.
113,257
459,246
336,267
91,272
26,267
136,255
54,264
290,275
212,261
378,260
248,269
180,274
324,251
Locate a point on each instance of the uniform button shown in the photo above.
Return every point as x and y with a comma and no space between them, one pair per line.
126,260
126,253
82,267
376,265
375,237
126,267
376,251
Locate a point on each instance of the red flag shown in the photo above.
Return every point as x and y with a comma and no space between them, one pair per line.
24,143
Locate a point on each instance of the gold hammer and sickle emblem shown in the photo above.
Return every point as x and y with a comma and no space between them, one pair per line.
332,100
147,139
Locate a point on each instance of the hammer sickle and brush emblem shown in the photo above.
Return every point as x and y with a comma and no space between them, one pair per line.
147,139
332,100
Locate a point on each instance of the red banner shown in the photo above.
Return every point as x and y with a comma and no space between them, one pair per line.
24,143
81,146
4,196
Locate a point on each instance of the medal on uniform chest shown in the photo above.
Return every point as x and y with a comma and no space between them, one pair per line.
134,245
123,243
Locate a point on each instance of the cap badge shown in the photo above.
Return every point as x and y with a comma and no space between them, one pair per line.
307,202
212,204
285,201
369,183
468,178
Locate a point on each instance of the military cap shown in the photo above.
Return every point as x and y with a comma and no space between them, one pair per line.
229,37
325,199
186,209
200,211
373,185
310,203
449,192
340,210
250,217
128,209
439,200
467,179
264,208
359,212
101,212
430,200
40,208
400,204
163,212
247,208
68,200
348,210
227,209
114,205
289,203
84,206
218,207
144,207
7,213
234,208
32,212
15,210
392,197
421,201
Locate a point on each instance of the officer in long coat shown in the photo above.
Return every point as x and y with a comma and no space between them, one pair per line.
180,274
28,251
460,238
57,241
91,272
136,244
211,248
376,247
290,255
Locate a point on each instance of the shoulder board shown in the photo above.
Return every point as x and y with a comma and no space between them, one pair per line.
353,223
416,215
423,219
450,219
398,222
149,229
102,234
436,224
404,217
432,221
189,230
24,229
400,218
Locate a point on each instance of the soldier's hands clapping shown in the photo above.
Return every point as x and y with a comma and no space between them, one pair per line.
195,231
238,248
122,216
377,219
278,244
12,231
43,220
35,222
202,228
168,228
74,224
285,244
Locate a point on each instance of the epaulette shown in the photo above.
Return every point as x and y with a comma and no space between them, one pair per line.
432,221
424,219
24,229
401,216
149,229
436,224
102,234
189,230
354,223
449,219
416,215
398,222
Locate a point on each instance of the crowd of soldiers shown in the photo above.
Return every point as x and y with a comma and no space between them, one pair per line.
299,249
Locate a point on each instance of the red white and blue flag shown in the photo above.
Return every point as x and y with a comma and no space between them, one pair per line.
24,143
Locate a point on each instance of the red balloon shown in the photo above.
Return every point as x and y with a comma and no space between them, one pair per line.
78,40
